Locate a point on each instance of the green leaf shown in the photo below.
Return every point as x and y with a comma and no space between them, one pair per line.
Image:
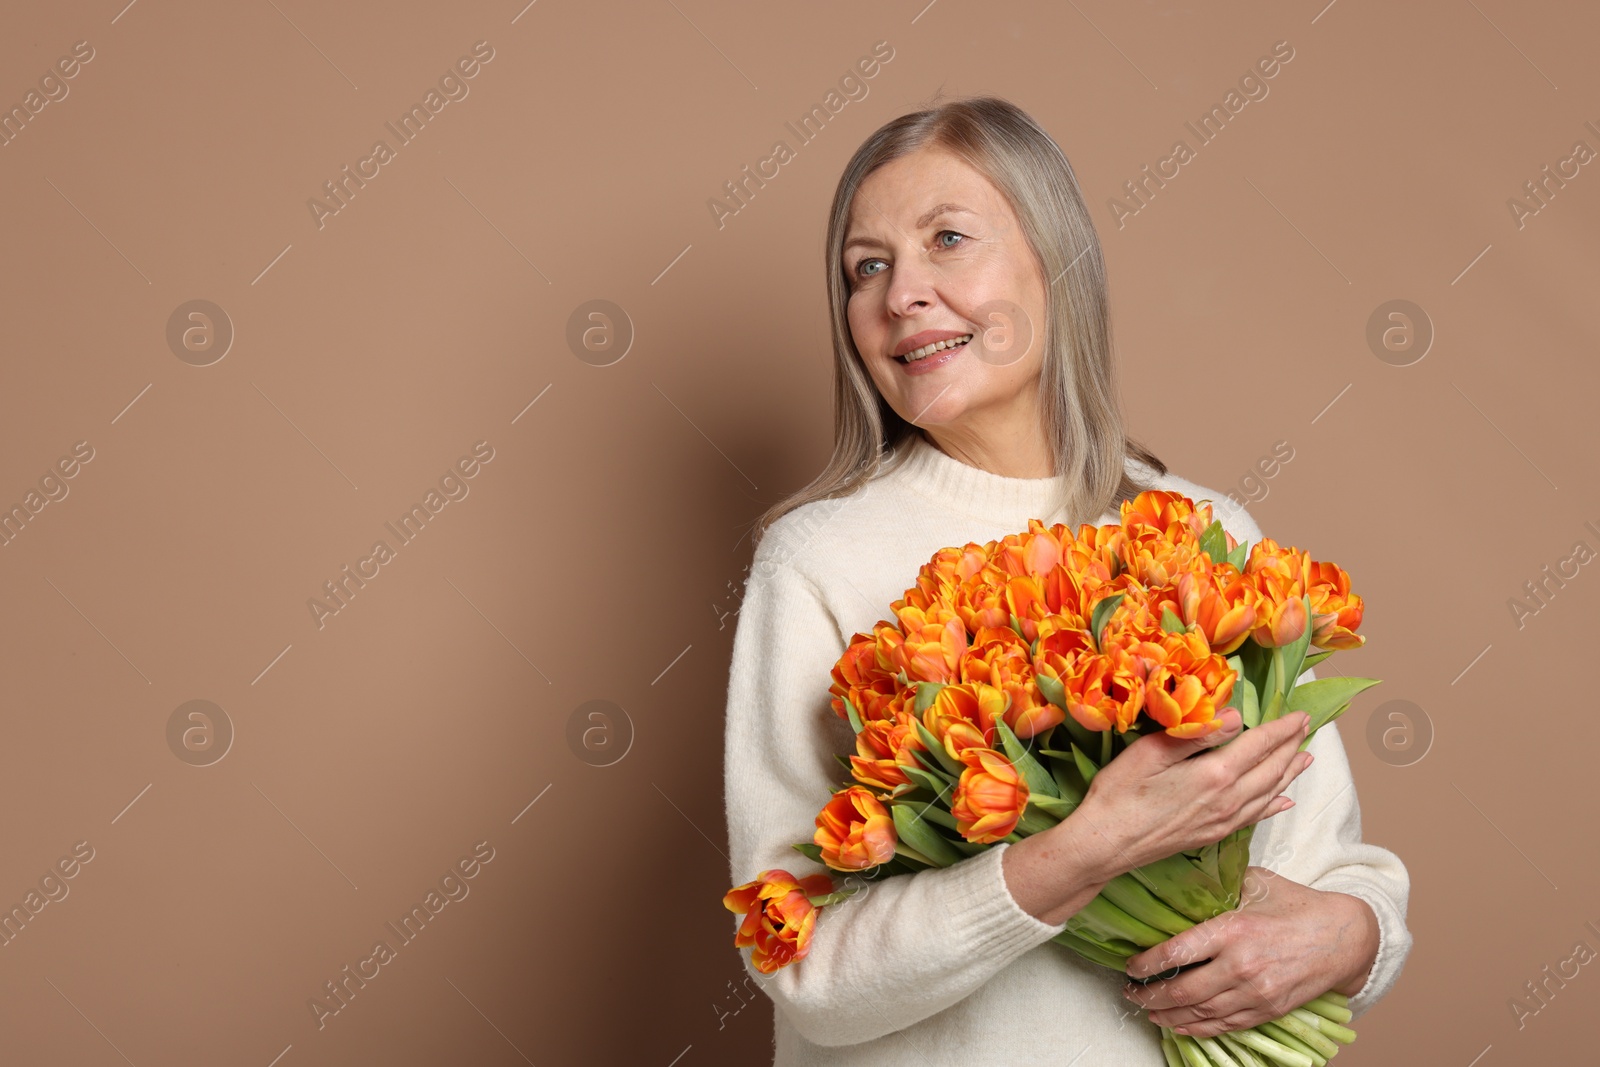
1086,766
844,760
1239,554
1236,698
1250,706
854,715
926,693
1016,624
1052,690
1170,623
1057,806
923,837
1294,654
937,750
1066,782
912,858
1100,615
930,781
1214,543
1314,659
810,849
1325,698
1038,779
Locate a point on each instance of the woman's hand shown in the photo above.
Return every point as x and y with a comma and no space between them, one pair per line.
1286,944
1153,800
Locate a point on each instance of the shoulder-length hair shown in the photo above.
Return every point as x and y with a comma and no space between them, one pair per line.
1078,391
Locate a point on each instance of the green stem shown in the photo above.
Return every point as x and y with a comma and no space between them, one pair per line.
1169,1049
1269,1047
1241,1051
1218,1054
1284,1037
1328,1009
1310,1035
1193,1054
1327,1027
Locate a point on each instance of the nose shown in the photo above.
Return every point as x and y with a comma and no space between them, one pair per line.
912,284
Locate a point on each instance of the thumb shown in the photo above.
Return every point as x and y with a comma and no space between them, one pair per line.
1171,749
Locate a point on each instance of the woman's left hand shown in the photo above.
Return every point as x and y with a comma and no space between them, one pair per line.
1286,944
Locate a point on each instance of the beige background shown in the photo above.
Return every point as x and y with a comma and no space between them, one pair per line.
600,554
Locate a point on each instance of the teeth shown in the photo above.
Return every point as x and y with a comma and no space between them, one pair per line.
938,346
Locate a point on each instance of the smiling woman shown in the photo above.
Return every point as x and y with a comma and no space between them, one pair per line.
974,392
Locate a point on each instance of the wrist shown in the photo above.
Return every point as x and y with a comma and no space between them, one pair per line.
1363,924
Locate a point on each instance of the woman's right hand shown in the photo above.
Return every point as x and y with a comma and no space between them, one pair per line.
1163,794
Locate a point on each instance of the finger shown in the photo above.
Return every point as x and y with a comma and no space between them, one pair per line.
1259,743
1239,1020
1200,942
1189,991
1273,774
1171,750
1204,1018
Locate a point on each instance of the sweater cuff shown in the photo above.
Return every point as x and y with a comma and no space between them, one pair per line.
982,906
1393,942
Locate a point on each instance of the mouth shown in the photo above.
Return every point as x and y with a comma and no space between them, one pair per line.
925,351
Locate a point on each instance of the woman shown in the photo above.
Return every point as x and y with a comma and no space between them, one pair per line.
974,391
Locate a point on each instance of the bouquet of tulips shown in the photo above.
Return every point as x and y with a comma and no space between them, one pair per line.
1016,669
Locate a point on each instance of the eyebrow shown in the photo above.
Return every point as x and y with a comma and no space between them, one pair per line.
932,214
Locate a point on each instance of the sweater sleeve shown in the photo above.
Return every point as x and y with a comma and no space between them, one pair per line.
901,948
1318,841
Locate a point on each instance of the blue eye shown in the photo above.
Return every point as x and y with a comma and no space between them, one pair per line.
861,271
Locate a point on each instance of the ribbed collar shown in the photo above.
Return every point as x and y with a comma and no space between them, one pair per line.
976,491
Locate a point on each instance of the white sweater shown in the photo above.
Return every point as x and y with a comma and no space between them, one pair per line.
943,966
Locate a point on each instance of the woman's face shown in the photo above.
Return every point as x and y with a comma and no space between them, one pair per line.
932,252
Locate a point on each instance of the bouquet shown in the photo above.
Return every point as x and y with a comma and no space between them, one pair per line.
1016,669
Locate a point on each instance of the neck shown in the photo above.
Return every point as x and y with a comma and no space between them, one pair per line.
1019,455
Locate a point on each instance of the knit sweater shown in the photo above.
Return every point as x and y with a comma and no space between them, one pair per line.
943,966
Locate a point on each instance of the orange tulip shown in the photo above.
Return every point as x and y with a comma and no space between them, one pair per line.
1185,692
1217,600
990,796
1278,577
1169,514
976,704
934,641
883,748
999,658
855,830
778,919
1335,611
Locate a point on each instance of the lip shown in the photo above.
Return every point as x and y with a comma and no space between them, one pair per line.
926,337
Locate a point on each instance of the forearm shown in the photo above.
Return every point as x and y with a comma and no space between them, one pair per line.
1052,875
